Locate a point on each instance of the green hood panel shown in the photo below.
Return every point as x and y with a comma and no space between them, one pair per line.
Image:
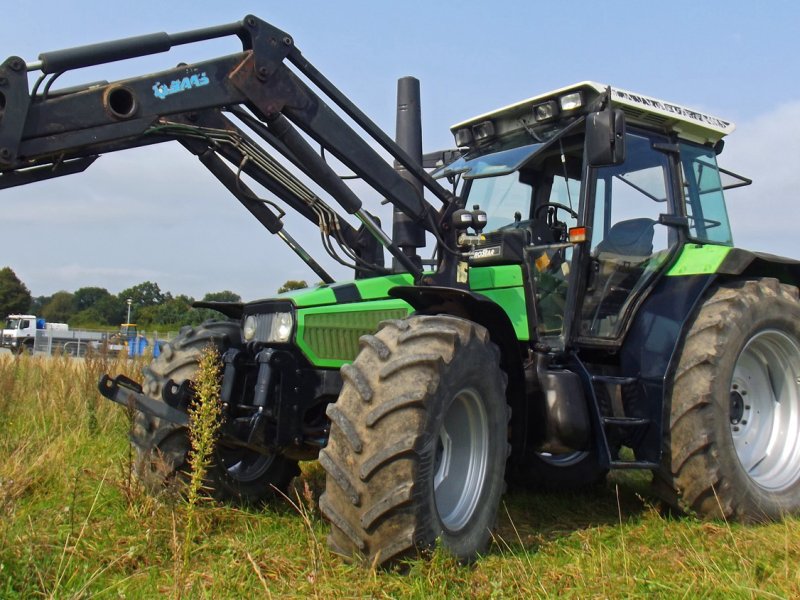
332,318
374,288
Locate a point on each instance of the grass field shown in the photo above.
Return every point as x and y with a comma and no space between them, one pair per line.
74,524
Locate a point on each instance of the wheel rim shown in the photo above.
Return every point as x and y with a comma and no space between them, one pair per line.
461,460
765,410
563,460
244,465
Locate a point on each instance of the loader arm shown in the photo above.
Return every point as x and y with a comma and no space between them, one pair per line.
52,133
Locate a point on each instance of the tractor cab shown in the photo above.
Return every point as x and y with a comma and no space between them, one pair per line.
594,192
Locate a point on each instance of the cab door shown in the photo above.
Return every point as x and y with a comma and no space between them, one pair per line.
629,246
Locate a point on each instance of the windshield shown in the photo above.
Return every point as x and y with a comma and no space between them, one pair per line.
502,198
12,323
497,163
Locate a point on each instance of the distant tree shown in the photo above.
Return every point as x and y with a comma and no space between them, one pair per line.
38,303
87,297
292,284
14,295
113,310
88,317
143,294
174,311
223,296
60,308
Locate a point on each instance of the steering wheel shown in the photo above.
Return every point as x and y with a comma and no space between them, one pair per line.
558,228
557,206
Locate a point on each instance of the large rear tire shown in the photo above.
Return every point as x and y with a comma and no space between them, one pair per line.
162,448
418,442
733,444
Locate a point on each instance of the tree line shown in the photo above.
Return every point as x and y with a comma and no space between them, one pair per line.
96,306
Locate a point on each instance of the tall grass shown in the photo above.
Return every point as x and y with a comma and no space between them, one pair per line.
75,524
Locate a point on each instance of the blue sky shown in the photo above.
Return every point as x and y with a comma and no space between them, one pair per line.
155,214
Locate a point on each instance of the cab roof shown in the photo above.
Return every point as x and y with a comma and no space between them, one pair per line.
639,109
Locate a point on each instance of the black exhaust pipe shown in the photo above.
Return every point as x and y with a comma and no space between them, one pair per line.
407,234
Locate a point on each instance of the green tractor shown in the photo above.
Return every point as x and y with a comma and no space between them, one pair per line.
584,309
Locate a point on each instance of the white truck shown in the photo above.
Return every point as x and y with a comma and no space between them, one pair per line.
27,333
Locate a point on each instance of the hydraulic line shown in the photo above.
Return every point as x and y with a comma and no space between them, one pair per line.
252,153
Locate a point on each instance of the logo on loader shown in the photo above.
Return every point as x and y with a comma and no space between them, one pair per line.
162,90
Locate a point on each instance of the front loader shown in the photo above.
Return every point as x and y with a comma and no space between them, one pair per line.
585,308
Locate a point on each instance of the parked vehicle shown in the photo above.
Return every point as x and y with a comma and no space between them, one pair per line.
26,333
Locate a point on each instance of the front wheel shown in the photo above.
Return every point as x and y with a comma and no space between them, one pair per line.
238,475
733,446
418,442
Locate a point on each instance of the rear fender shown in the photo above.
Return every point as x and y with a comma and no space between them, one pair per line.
746,264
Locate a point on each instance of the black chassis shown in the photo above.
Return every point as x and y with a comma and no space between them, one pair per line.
272,400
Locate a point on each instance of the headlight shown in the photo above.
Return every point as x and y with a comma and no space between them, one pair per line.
249,329
281,328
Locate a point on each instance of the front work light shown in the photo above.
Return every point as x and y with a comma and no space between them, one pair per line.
463,137
571,101
483,131
545,111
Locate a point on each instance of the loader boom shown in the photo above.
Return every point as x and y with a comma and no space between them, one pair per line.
59,132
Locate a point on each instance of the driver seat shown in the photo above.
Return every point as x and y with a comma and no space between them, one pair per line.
628,241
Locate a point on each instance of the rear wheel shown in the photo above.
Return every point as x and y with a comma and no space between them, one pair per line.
418,442
733,447
162,448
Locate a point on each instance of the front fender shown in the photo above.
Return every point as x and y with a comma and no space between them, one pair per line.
432,300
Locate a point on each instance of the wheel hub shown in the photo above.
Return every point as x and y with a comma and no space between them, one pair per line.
737,406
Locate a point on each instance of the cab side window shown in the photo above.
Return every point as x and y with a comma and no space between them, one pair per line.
702,191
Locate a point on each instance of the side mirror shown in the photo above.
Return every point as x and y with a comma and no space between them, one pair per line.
605,138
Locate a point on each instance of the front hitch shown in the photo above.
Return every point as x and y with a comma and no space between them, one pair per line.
128,393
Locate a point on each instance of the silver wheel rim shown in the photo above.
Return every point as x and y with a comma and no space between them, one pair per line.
765,410
563,460
461,460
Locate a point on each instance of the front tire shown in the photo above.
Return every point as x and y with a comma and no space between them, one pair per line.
162,448
733,446
418,442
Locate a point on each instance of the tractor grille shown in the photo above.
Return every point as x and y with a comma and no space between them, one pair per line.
334,336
